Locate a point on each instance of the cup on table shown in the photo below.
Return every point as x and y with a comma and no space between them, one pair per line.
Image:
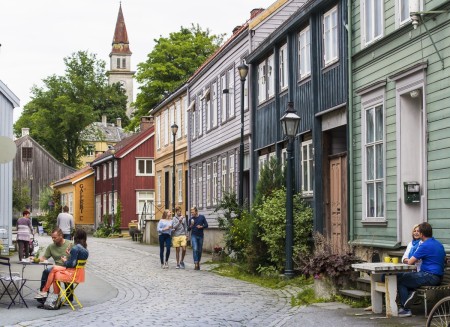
395,260
388,259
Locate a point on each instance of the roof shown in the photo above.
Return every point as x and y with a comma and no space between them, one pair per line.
98,131
68,178
9,94
120,43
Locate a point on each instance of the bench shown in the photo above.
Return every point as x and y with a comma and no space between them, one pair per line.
435,293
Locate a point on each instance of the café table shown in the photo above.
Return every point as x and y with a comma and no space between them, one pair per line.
26,263
389,287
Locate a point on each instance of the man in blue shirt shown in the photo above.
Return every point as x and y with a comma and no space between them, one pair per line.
432,254
197,224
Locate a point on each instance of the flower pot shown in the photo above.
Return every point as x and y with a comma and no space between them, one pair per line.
324,287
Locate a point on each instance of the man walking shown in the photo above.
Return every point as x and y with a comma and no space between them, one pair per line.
197,225
432,254
65,222
179,236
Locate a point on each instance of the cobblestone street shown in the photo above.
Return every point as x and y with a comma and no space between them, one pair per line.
146,295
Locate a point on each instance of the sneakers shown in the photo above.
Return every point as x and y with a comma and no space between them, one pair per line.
177,267
41,295
404,313
163,266
197,266
166,265
409,300
182,265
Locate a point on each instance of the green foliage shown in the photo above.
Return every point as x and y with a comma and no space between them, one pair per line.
49,220
21,196
172,61
117,219
272,215
104,228
270,179
59,112
45,196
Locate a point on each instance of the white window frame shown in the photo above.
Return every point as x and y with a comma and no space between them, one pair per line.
104,211
158,132
145,173
200,117
304,53
224,175
283,63
147,197
98,207
115,165
186,115
330,36
271,76
371,101
194,186
231,100
110,202
261,162
246,94
166,127
200,185
97,175
214,182
158,187
369,35
104,172
214,106
178,118
208,184
180,183
110,169
231,179
262,92
307,167
224,98
172,120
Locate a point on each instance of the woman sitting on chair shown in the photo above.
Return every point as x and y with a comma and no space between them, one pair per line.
77,252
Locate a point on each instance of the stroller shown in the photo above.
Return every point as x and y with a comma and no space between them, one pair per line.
33,247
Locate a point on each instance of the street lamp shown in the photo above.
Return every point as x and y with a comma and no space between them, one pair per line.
243,71
112,151
31,193
174,129
289,122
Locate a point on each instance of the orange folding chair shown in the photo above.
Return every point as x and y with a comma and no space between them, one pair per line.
71,283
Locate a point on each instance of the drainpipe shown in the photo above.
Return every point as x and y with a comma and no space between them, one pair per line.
350,119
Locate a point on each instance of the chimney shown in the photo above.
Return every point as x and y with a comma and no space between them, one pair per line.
255,12
119,122
237,28
104,121
25,131
146,122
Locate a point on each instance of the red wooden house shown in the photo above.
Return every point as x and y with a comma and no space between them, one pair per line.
125,173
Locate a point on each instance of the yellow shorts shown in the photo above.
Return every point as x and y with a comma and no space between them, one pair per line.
178,241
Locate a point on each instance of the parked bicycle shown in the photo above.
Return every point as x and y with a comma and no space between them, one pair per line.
440,314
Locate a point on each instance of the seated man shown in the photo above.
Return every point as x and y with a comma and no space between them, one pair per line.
432,254
56,250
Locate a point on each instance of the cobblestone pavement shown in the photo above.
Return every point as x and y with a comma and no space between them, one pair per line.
150,296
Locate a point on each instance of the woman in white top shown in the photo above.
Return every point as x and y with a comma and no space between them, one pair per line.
412,247
165,237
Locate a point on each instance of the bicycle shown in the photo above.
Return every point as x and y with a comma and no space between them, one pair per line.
440,314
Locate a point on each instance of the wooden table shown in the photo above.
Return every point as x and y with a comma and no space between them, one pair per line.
390,270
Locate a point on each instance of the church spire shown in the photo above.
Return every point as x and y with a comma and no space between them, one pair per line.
120,43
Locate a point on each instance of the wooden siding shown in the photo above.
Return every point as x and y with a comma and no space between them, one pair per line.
397,50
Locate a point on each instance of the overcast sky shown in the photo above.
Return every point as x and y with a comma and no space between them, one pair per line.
36,35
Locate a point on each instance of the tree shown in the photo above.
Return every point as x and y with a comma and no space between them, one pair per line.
59,112
21,196
172,61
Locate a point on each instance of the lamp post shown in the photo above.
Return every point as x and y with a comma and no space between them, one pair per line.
31,193
113,151
289,122
174,129
243,71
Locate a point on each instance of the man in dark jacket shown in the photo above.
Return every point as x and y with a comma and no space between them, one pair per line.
197,224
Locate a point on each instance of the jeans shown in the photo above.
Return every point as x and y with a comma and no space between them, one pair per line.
410,281
164,240
197,247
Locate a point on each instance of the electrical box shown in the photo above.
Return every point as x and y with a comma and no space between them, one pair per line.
412,192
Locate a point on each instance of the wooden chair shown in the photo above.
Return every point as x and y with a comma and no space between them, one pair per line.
71,284
8,280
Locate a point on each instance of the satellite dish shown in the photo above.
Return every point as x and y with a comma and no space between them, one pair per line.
8,149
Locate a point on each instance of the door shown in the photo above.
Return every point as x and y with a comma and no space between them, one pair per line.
338,207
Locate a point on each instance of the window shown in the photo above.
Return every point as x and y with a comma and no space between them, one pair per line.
330,37
194,122
104,171
115,169
304,53
224,175
158,132
214,183
214,106
283,67
144,167
284,157
194,186
180,184
90,150
402,12
171,121
104,205
118,62
97,173
111,200
223,104
231,99
98,208
231,177
145,204
208,184
27,154
262,95
166,127
371,20
307,152
124,63
186,115
200,185
261,162
200,116
207,104
159,188
373,159
110,169
178,118
266,79
246,93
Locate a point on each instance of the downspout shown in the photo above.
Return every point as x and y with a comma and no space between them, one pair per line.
350,118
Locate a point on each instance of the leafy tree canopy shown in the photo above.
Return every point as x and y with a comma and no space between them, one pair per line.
172,61
66,105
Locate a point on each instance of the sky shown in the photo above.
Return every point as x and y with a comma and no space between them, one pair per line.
36,35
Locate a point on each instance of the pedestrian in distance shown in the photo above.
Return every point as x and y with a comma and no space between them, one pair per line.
165,237
24,232
197,226
432,254
66,272
65,222
179,236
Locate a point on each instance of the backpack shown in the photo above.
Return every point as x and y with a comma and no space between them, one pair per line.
53,302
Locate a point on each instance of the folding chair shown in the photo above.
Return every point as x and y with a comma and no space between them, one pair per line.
71,284
8,280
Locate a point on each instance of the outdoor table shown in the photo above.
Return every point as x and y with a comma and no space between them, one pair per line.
376,270
44,264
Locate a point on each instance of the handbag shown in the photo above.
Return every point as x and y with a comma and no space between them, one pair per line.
53,302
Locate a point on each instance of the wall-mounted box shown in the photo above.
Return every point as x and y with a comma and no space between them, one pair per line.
412,192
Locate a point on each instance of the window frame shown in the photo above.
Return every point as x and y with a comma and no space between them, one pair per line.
307,168
330,46
283,67
180,183
365,39
231,173
304,71
152,173
200,185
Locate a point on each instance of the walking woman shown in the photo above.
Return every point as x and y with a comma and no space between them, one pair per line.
165,237
24,232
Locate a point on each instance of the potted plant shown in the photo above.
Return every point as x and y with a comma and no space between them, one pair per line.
218,253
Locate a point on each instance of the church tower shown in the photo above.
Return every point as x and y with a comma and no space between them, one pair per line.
120,60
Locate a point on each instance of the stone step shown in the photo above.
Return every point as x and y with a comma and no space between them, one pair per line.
357,294
365,280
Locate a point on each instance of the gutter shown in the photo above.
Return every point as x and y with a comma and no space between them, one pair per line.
350,121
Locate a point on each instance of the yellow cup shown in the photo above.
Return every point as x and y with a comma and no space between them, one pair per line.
394,260
387,259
